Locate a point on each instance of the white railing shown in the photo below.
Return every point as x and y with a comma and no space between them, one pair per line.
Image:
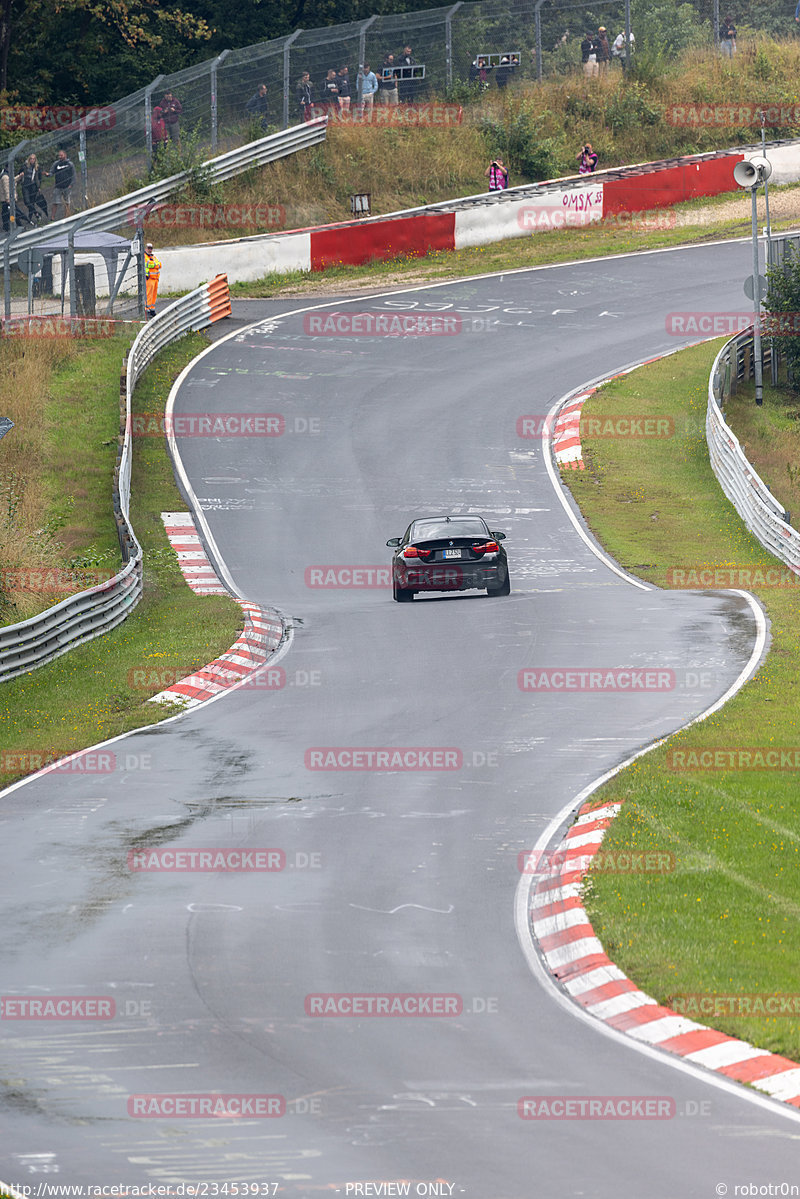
32,643
761,512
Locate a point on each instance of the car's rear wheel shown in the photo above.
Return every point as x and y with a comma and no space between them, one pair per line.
503,589
403,595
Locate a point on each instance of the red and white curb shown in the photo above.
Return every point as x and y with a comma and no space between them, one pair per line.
261,636
566,432
575,957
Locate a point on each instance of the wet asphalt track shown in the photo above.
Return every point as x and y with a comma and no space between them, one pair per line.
396,882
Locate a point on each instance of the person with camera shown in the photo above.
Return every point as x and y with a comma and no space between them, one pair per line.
497,175
587,160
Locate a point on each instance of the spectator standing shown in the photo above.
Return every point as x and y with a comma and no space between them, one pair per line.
257,106
305,95
330,89
343,79
479,73
618,49
727,37
497,175
368,86
158,128
503,72
589,56
63,173
5,198
32,189
602,49
387,81
408,86
172,109
152,273
587,160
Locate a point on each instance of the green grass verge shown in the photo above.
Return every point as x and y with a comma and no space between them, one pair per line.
725,920
99,689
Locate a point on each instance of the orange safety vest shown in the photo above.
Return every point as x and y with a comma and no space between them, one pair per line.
152,272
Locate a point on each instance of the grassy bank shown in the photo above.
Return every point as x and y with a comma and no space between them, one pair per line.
99,689
538,127
725,921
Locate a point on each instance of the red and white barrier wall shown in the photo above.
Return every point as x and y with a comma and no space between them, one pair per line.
644,188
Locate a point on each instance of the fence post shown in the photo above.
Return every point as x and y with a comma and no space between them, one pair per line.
84,164
12,228
448,41
286,83
148,117
214,66
538,15
362,40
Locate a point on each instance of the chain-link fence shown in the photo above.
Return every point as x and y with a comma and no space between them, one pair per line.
459,46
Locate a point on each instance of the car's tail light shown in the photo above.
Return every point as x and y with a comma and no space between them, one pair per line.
491,547
412,551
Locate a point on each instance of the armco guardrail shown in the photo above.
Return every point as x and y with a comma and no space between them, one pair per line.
115,213
32,643
763,515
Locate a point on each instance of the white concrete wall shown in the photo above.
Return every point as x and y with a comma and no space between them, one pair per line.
186,267
495,221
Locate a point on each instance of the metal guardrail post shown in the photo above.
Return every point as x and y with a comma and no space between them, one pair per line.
286,69
214,65
148,117
448,41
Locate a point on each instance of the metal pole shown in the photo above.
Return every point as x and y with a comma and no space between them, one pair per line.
538,16
627,36
766,181
214,66
82,161
148,115
362,40
716,23
448,40
757,303
286,46
12,228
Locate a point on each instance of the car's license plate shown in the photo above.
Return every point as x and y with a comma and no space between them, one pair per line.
452,553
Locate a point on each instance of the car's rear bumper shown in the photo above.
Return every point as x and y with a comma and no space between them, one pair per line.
464,576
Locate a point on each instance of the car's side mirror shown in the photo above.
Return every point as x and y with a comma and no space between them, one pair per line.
393,541
499,536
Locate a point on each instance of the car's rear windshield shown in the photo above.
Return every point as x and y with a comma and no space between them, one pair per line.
433,530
